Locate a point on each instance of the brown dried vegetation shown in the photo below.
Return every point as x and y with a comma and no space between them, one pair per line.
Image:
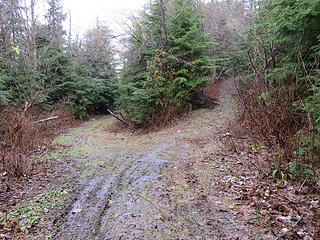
21,137
271,118
287,210
267,136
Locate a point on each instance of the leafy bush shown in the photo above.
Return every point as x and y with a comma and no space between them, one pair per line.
300,171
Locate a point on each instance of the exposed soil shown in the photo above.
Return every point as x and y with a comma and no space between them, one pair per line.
178,183
164,185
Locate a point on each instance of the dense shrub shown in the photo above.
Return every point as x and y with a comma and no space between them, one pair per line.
166,63
279,92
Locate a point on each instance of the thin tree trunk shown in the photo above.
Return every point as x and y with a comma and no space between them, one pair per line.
164,24
33,35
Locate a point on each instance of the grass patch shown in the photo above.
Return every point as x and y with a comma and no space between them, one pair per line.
200,110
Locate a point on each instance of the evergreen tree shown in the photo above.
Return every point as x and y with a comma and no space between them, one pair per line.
11,31
55,18
35,65
12,52
284,75
94,86
99,52
54,64
4,93
166,63
188,46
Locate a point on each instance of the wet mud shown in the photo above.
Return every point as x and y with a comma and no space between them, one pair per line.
158,185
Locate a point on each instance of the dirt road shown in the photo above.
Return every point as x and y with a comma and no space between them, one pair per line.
165,185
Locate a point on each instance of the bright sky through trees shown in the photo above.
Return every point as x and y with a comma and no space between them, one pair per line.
84,13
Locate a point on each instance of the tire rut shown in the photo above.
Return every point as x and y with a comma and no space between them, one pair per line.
159,185
87,217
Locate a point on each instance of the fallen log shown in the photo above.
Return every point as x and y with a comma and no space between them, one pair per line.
121,120
46,119
214,102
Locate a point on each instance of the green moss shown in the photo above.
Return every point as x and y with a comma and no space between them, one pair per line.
61,140
200,110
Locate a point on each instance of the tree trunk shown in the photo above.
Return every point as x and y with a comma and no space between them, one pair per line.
33,35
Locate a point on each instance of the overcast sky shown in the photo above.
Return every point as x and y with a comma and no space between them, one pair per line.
84,13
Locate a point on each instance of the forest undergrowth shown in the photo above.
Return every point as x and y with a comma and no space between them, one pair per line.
23,140
286,200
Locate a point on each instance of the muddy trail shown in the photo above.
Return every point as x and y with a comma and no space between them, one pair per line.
171,184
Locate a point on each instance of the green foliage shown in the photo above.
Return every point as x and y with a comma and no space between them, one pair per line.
91,92
296,28
283,56
166,62
296,22
29,214
300,171
4,93
308,145
257,145
312,102
86,81
226,22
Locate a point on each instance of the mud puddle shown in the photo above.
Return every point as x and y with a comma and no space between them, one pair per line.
112,174
112,202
